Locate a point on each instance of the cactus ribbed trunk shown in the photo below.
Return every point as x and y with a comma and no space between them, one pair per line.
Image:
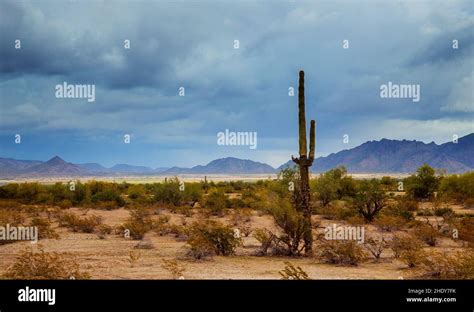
304,162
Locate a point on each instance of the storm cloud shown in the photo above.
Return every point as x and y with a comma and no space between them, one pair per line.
191,44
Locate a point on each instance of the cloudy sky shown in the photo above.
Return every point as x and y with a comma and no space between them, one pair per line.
191,44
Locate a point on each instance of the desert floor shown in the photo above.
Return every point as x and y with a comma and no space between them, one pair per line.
109,258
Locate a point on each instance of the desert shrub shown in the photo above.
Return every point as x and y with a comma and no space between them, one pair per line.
408,249
389,183
408,204
10,205
65,204
169,192
133,257
236,203
211,237
291,272
138,224
11,217
184,210
340,252
174,268
266,239
427,234
240,216
400,243
44,228
390,223
106,192
465,229
448,265
442,212
293,226
459,188
217,203
78,224
43,265
193,192
245,230
103,230
105,205
376,246
412,257
403,208
425,213
336,211
355,220
137,192
135,229
28,192
161,225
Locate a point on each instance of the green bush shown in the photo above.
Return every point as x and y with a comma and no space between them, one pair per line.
211,237
138,224
408,249
169,192
346,252
216,202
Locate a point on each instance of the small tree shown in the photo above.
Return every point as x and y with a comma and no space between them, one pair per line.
370,199
423,184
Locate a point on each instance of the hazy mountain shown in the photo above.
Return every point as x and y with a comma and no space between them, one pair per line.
400,156
384,156
229,165
94,167
9,165
55,167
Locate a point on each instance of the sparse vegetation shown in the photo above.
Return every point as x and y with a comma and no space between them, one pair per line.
429,228
42,265
207,238
343,252
376,246
174,268
408,249
291,272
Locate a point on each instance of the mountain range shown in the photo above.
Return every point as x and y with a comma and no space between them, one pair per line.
384,156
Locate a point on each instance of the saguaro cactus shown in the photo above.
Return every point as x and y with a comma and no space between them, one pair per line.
304,162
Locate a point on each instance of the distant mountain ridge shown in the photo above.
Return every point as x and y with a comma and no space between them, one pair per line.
229,165
384,156
400,156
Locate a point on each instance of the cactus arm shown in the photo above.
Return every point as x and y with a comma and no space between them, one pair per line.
312,140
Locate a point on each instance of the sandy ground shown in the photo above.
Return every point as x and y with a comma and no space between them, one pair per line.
109,258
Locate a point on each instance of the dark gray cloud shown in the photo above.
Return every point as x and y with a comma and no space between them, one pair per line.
190,44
